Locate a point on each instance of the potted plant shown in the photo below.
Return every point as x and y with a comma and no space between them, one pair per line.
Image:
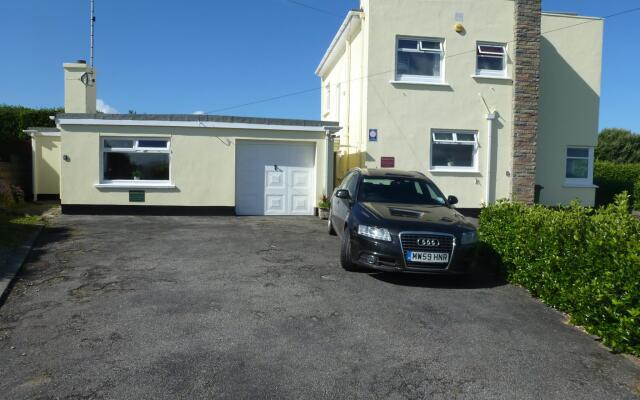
450,162
323,207
137,174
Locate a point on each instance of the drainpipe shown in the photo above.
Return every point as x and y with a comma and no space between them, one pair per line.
491,117
328,163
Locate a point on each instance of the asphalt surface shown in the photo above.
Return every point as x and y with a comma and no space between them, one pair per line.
223,307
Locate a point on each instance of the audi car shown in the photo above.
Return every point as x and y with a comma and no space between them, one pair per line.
399,221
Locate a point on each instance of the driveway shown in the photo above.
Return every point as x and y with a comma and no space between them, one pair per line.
224,307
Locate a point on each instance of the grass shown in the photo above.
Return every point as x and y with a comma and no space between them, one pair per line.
14,229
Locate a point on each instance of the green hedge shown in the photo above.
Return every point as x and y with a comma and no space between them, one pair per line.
582,261
613,178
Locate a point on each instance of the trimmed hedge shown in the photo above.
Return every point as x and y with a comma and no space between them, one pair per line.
613,179
583,261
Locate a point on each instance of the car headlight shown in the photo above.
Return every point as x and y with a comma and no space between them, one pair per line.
469,237
374,232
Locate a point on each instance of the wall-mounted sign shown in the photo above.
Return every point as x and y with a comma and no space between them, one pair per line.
373,135
387,162
136,196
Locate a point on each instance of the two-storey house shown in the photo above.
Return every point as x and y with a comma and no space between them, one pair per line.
490,98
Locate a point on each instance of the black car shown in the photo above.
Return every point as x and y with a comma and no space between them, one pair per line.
399,221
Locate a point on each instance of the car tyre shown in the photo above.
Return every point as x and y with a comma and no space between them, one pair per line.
345,253
330,229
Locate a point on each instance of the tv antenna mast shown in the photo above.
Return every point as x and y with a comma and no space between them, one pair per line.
93,23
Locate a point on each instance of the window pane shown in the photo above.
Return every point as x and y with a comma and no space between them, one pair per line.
466,137
491,49
442,136
118,143
577,168
490,63
407,44
430,45
584,153
452,155
144,166
159,144
426,64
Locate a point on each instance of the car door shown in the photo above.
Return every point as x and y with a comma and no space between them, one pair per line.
340,208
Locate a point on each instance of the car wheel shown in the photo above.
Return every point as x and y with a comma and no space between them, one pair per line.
330,229
345,253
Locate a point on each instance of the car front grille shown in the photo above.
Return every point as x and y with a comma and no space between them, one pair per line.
445,244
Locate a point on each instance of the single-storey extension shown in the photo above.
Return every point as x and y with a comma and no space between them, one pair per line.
182,164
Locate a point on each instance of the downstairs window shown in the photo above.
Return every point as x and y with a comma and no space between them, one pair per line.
133,160
454,151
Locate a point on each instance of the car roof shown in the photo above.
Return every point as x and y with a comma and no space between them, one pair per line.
380,172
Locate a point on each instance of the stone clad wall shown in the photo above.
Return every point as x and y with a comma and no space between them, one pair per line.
526,98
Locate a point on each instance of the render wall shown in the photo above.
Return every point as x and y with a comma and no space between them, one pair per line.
405,114
348,90
46,163
571,67
202,165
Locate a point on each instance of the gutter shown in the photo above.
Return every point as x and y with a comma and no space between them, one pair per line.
337,39
187,124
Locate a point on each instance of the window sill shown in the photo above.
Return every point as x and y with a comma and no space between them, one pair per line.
394,82
454,171
489,77
133,185
580,185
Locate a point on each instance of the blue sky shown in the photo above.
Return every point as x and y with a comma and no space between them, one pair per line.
203,55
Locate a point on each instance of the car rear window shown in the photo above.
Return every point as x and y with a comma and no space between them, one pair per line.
399,190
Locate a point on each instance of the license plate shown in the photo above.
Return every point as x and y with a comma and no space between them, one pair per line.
425,257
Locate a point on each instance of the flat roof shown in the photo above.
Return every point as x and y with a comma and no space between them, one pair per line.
228,119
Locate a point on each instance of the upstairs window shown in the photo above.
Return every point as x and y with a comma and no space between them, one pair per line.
419,60
130,159
579,169
491,60
454,151
327,98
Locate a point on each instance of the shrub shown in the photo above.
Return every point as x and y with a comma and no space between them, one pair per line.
582,261
613,179
10,195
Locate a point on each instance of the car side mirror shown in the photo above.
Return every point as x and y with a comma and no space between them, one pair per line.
343,194
451,200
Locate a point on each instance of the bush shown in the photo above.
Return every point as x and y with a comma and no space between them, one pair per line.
613,179
582,261
10,195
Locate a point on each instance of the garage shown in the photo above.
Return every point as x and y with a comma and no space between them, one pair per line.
275,177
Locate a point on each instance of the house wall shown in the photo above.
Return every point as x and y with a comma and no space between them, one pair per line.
571,61
46,157
347,93
405,114
202,164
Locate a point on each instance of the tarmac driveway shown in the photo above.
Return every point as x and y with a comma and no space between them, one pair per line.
224,307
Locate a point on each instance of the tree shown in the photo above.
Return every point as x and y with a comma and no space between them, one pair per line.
618,145
14,119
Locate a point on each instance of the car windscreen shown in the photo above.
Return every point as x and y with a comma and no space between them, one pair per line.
399,190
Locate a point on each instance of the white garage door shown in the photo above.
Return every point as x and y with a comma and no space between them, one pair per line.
275,178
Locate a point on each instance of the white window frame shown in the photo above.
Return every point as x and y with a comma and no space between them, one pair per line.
421,78
579,182
135,149
454,140
327,98
489,72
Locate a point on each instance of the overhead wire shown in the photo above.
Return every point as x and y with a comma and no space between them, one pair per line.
446,57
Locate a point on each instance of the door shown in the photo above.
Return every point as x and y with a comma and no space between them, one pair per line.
275,178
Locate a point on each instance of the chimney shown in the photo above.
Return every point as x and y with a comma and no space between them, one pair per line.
79,88
526,92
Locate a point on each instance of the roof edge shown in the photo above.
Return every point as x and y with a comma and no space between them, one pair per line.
337,39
